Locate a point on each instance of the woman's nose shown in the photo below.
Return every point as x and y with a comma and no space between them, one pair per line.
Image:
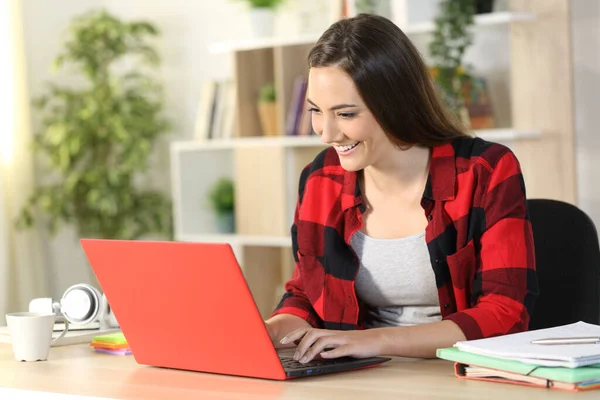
329,132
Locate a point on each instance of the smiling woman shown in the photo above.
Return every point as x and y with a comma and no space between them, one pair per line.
409,235
21,270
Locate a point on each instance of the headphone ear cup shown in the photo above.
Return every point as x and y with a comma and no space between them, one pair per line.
80,304
42,305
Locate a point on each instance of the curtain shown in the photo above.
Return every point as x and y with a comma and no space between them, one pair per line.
22,272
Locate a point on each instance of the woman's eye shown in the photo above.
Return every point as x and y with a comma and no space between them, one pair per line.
312,109
347,115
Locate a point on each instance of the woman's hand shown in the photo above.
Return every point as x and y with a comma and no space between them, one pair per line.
334,344
279,325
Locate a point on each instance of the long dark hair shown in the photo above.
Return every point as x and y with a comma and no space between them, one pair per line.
390,76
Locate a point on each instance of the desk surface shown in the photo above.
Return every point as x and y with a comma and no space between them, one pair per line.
78,370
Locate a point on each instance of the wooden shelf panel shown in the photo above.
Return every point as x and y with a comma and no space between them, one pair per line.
239,240
504,135
257,141
491,19
494,135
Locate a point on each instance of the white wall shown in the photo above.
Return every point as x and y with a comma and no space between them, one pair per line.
44,23
188,27
585,16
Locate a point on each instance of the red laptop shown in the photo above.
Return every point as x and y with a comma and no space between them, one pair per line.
187,306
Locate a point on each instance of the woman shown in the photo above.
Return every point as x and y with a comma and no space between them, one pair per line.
405,226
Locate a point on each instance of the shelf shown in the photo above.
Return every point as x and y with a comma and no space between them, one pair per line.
239,240
505,135
490,19
258,141
502,134
261,43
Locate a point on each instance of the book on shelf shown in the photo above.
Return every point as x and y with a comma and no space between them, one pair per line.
515,359
297,104
215,118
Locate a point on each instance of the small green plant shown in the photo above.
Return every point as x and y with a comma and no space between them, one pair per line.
366,6
96,139
267,93
272,4
221,196
452,36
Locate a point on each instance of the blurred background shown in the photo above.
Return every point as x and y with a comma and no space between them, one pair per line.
184,120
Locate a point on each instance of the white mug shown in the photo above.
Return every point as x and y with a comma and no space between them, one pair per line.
31,334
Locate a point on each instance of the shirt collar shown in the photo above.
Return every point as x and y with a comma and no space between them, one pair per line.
441,182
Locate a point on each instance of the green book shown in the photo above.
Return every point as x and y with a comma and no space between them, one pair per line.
588,374
112,338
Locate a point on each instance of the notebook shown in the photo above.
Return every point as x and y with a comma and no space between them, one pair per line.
518,347
478,367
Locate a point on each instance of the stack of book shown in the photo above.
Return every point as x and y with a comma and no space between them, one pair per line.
565,357
114,343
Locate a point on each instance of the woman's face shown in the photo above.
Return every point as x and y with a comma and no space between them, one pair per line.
343,121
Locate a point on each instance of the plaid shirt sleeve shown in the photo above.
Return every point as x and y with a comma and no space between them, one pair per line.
505,284
295,301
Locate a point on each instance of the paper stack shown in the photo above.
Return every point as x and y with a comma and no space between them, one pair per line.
114,343
514,359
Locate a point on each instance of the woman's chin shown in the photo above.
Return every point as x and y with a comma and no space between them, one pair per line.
351,165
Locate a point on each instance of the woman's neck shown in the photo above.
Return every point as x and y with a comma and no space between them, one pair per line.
400,171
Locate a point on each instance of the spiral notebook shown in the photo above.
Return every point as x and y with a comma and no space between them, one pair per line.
518,347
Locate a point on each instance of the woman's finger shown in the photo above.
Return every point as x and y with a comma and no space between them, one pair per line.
294,335
309,339
340,351
322,343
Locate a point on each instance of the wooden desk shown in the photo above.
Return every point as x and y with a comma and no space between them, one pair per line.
78,370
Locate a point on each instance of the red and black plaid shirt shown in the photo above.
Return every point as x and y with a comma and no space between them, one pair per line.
479,239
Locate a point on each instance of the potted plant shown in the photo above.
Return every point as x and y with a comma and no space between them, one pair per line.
221,197
379,7
262,15
452,36
267,110
95,140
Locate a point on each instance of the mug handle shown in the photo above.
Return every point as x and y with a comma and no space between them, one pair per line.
62,334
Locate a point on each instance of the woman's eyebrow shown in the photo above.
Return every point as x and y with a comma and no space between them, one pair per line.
337,107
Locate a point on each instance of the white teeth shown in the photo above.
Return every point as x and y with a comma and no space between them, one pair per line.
346,148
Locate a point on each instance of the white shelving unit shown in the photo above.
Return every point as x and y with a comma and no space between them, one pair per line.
266,169
501,135
241,240
484,20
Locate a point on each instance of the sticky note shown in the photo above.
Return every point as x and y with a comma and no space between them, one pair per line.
114,338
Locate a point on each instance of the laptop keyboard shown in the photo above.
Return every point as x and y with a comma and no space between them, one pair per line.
290,363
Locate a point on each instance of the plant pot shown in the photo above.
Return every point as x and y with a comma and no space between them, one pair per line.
226,222
399,12
484,6
268,118
263,21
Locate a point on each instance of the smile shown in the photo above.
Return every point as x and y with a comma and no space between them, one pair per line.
345,149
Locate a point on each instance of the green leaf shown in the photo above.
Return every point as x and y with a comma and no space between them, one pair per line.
95,140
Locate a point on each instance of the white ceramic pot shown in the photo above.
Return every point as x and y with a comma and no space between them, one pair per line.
399,13
263,21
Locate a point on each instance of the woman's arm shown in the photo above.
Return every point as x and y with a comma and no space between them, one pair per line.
419,341
295,309
505,284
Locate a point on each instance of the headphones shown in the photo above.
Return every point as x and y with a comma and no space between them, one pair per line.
81,304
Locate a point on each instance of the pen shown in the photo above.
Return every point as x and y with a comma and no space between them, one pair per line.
568,340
